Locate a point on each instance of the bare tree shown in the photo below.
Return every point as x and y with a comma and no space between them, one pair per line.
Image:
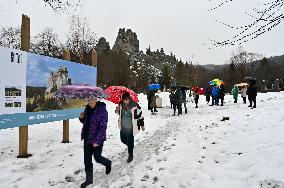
10,37
47,43
81,39
59,6
265,17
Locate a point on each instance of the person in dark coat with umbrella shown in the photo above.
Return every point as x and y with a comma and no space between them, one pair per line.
94,119
183,100
252,93
177,101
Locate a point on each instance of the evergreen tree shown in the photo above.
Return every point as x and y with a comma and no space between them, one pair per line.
148,50
180,74
162,51
165,78
121,68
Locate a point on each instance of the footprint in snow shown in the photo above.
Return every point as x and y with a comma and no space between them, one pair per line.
78,171
271,184
69,179
145,177
149,167
159,160
155,179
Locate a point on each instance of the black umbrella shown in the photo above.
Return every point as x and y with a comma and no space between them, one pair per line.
250,79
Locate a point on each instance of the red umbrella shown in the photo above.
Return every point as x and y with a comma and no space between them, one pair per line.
200,90
116,92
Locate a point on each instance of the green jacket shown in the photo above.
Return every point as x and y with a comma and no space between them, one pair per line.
235,92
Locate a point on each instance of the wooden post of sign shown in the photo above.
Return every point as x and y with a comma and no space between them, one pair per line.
66,56
94,58
25,46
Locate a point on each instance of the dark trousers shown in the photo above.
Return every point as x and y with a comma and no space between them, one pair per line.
208,98
177,106
185,108
90,151
236,100
244,100
149,102
127,138
154,109
252,100
196,102
215,100
222,100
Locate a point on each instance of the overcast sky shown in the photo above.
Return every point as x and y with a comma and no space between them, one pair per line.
180,26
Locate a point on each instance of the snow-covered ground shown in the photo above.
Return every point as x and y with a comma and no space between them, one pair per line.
195,150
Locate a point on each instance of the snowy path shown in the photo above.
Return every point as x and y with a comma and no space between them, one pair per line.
194,150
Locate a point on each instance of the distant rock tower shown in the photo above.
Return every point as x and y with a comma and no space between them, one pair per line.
127,42
58,79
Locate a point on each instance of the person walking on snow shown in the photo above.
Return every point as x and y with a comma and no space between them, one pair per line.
208,94
171,96
196,96
130,122
235,92
215,95
183,100
94,119
252,93
222,94
153,104
177,102
244,94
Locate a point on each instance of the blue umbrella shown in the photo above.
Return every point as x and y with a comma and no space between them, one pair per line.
153,87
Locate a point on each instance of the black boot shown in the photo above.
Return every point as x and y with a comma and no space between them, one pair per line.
130,157
89,179
108,169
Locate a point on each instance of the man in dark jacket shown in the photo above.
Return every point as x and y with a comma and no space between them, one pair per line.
222,94
171,96
177,101
94,119
208,94
183,100
252,93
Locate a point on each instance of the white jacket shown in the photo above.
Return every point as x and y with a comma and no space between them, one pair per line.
244,92
137,118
